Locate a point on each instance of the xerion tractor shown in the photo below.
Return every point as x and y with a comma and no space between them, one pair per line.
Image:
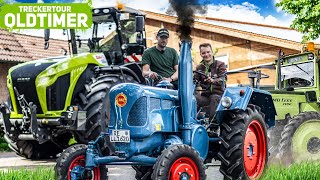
297,98
158,132
54,99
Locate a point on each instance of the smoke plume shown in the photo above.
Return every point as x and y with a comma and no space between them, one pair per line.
185,10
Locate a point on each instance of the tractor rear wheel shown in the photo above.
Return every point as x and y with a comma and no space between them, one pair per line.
274,135
75,156
95,100
244,148
179,162
300,139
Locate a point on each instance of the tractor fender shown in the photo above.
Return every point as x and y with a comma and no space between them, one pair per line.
131,69
241,97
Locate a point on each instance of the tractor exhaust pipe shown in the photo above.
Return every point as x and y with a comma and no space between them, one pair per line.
185,91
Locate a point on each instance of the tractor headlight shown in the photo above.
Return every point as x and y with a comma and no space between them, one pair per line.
63,66
96,11
226,102
51,71
106,11
43,80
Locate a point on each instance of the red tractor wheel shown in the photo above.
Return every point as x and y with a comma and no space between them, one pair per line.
244,150
73,157
179,162
255,150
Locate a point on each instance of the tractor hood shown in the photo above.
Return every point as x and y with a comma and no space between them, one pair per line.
33,78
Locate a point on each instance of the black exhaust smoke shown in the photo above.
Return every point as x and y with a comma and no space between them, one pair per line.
185,10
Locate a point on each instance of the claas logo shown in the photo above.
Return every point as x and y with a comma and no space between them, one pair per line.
121,100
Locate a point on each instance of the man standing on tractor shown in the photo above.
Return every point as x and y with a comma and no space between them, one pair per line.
214,84
161,60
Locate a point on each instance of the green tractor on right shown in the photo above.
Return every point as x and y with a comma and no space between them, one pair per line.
296,135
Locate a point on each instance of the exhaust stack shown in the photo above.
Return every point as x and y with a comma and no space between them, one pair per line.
185,92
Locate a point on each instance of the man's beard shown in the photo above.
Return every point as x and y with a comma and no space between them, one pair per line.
162,46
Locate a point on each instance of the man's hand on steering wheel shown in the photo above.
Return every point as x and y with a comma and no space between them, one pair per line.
153,75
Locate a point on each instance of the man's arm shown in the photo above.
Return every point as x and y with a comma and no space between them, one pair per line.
222,69
174,76
146,61
146,72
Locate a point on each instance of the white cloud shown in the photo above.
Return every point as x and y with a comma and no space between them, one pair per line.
240,12
278,8
243,12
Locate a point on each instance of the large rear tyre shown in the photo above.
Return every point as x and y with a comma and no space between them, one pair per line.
243,152
76,156
274,135
95,100
179,162
300,139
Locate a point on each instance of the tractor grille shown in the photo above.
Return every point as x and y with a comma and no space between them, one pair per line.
57,93
138,113
154,104
23,78
167,104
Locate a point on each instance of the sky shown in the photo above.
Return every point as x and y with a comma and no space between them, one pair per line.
256,11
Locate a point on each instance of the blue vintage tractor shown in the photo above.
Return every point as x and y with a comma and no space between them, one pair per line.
157,131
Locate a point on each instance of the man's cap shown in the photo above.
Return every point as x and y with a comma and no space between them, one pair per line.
163,32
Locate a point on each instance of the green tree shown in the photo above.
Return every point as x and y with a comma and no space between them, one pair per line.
307,19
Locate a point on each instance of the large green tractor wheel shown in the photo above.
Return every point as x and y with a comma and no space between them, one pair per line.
244,149
274,135
300,139
95,100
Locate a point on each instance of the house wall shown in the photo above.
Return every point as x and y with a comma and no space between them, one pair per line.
4,67
240,52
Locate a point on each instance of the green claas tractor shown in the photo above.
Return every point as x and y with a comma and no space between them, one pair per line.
56,99
296,98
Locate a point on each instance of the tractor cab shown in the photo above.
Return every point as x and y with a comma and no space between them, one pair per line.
117,32
297,72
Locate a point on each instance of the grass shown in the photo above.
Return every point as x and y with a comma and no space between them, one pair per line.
41,173
3,144
305,171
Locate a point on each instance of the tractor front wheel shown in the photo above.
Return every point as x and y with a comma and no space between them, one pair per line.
243,152
300,139
75,158
179,162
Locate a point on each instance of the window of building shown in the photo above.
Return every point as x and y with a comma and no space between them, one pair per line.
224,58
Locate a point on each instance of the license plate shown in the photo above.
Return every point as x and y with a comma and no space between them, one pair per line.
120,136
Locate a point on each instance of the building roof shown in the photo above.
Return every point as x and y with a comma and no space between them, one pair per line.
10,48
15,47
267,34
34,45
267,30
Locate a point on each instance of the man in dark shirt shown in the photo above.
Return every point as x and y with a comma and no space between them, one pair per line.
214,85
161,60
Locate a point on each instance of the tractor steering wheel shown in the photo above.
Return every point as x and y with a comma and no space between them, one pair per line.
205,85
153,82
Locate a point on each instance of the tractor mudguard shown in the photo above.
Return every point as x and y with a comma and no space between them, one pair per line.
242,96
132,69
